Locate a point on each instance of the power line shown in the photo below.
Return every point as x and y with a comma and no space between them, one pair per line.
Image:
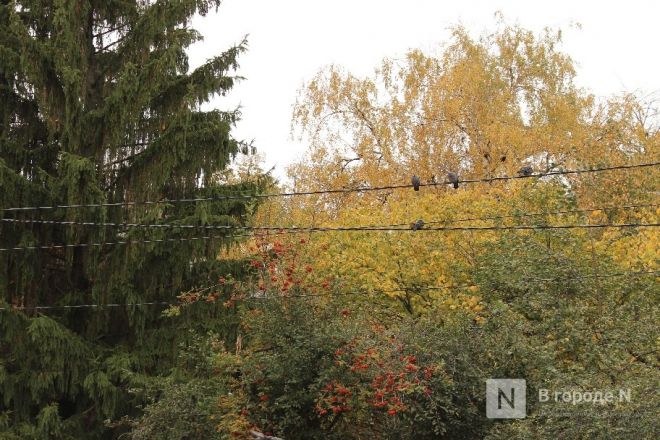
561,212
329,191
294,228
111,305
253,298
315,295
610,275
87,306
343,229
113,243
533,214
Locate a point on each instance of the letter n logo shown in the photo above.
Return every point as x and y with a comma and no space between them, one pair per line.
506,398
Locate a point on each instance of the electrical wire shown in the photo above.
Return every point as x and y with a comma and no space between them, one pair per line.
84,306
343,229
321,192
284,297
538,214
284,228
113,243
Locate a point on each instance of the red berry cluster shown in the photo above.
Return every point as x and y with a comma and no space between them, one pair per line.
389,378
281,266
334,399
390,387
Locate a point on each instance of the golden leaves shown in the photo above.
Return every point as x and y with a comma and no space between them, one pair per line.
483,108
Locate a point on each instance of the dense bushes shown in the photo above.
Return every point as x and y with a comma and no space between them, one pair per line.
356,367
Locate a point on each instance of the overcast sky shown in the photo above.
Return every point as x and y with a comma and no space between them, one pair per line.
290,40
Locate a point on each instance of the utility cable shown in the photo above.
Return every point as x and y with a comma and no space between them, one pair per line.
335,229
329,191
283,297
284,228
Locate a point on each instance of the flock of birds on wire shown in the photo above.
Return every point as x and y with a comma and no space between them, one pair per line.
415,181
452,179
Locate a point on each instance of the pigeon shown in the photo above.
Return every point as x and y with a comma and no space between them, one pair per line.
526,171
453,178
415,182
419,224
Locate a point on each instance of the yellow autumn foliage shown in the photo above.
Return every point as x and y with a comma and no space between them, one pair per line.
484,108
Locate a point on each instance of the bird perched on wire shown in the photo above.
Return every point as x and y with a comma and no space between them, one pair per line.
453,179
419,224
415,182
526,171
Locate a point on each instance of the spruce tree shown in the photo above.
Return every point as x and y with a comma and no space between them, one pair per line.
98,105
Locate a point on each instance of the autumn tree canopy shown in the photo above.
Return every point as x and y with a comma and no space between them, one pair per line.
392,334
483,108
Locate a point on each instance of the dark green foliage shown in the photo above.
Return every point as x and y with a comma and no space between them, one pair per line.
97,105
183,405
294,356
548,318
596,333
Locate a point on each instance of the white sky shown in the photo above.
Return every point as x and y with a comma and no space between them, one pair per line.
290,40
